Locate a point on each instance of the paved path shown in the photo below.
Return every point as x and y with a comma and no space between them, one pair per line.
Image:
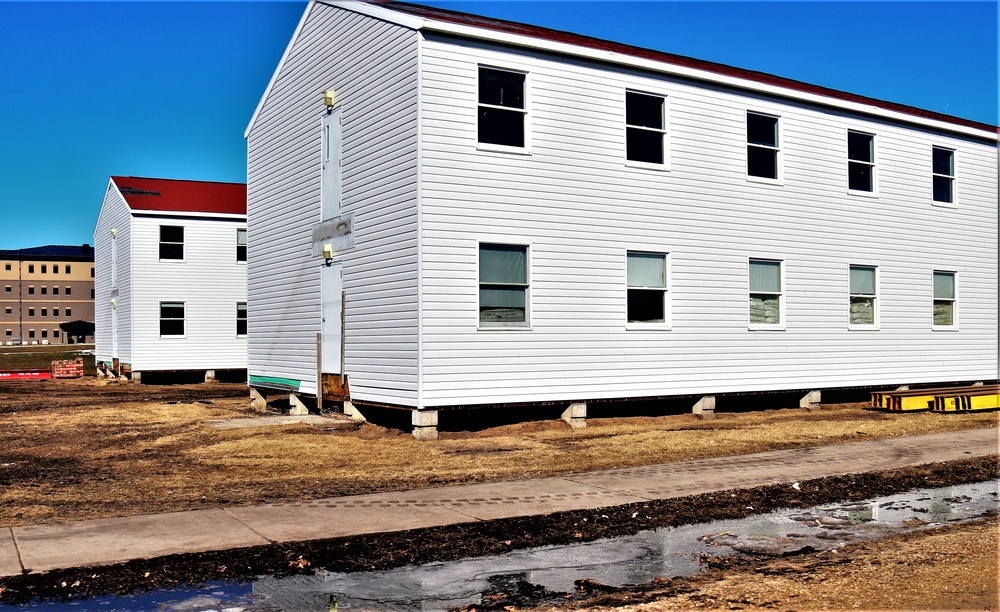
41,548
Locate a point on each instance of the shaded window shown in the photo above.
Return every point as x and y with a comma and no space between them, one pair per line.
69,291
45,290
67,269
31,312
31,291
9,333
7,289
171,318
862,290
861,161
241,245
55,312
45,312
31,268
945,299
765,292
171,242
645,127
501,107
6,267
92,273
647,287
55,269
503,284
31,333
69,312
944,175
55,333
44,269
91,294
55,291
7,310
762,146
241,318
45,333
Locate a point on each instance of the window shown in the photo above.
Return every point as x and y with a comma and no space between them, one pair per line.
860,161
863,290
645,127
503,284
944,175
944,299
241,318
501,107
45,290
171,318
765,292
55,333
171,242
69,312
31,268
647,287
44,268
45,333
55,269
7,289
55,312
67,269
241,245
31,291
91,272
91,294
9,333
31,312
55,291
762,146
7,310
31,333
6,267
45,312
69,291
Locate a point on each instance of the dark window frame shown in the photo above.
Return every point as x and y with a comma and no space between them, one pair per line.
171,249
640,131
763,153
501,122
173,326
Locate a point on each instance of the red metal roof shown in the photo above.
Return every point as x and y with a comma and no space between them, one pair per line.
182,196
510,27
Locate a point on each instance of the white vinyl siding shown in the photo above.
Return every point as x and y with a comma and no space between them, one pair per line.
580,208
372,65
115,214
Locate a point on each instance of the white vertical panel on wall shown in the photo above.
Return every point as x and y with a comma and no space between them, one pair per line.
372,65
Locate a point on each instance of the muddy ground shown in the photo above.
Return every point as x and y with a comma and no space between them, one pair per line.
462,541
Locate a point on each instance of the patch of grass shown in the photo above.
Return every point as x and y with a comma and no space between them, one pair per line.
43,360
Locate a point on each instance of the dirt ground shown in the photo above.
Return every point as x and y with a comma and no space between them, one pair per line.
72,450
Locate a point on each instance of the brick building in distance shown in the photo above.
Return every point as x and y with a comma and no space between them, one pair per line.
41,287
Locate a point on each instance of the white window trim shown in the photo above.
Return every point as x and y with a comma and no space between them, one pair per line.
526,326
953,177
183,244
242,262
779,157
667,324
877,325
247,319
665,166
874,193
526,111
159,317
782,295
954,309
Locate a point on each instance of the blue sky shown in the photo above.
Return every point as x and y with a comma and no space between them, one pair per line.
88,90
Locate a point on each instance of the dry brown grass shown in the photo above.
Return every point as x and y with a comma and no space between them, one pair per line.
107,459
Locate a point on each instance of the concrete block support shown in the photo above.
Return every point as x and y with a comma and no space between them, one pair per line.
258,402
137,377
811,400
295,406
425,424
351,411
209,376
705,408
576,415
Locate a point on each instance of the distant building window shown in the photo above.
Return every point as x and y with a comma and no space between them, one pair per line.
171,242
45,312
171,318
241,318
69,291
503,284
91,272
241,245
55,269
765,292
645,127
9,333
45,290
762,146
863,290
67,269
31,291
7,310
91,293
6,267
55,333
945,299
45,333
55,312
69,312
31,268
31,333
31,312
944,175
55,291
647,287
7,289
860,161
44,268
502,109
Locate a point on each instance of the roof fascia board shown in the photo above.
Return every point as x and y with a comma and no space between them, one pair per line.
191,214
562,48
277,70
379,12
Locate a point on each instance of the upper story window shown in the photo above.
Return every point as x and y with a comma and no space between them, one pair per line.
762,146
765,293
6,267
503,285
55,291
241,318
45,290
31,290
67,269
91,271
645,128
860,161
171,242
647,287
31,268
55,269
45,268
945,299
944,175
241,245
69,291
502,110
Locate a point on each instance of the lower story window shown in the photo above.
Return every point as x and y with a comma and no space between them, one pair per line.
765,292
171,318
647,287
945,299
503,284
862,287
241,318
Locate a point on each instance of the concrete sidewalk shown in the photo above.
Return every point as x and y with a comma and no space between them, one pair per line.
41,548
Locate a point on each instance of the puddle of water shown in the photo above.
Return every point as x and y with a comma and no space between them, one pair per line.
666,552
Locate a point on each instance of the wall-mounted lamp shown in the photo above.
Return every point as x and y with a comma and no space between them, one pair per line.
329,98
113,232
328,253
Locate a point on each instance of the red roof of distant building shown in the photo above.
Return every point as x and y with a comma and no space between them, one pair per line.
182,196
511,27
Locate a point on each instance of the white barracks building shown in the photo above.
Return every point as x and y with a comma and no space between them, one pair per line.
489,214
